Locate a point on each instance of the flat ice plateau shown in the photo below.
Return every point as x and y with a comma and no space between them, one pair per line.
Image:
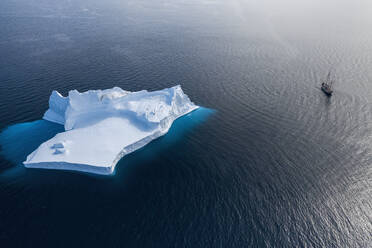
102,126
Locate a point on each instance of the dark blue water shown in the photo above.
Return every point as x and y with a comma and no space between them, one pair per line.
269,161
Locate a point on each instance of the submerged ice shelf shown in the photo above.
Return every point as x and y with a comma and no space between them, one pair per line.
102,126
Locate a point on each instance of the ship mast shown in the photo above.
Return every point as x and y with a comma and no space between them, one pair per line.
329,80
328,77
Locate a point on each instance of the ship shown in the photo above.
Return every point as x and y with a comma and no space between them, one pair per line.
327,85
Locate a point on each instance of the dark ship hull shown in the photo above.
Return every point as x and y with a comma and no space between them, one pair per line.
326,91
327,85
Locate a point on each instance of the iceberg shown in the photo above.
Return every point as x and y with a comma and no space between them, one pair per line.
102,126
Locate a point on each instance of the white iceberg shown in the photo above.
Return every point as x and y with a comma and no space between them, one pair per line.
102,126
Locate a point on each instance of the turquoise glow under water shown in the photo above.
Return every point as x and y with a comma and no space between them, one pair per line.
19,140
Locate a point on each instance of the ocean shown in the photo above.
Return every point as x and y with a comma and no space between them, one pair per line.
269,161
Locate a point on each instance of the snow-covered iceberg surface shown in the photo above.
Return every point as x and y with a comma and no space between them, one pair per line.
102,126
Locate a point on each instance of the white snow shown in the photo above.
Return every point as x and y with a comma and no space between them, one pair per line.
102,126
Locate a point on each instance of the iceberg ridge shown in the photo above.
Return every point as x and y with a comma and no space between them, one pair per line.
102,126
